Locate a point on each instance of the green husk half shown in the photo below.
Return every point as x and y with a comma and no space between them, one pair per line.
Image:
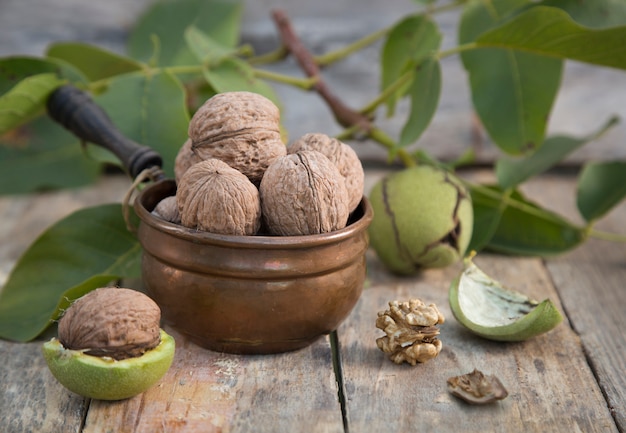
492,311
105,378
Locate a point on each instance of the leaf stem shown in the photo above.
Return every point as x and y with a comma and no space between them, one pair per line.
272,57
302,83
387,92
607,236
359,44
456,50
183,69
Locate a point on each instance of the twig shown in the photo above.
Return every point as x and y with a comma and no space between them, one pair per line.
344,115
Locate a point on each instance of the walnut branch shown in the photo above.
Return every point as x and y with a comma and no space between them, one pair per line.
345,116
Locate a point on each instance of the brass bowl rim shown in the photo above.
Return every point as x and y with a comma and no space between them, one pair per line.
256,241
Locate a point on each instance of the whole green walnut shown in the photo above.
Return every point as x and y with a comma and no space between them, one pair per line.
423,218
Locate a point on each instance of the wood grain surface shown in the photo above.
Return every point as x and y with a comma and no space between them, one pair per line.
568,380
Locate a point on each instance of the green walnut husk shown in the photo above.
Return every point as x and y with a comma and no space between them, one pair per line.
492,311
105,378
423,218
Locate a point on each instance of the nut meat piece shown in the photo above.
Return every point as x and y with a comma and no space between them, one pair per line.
340,154
240,128
476,388
303,194
118,323
411,331
216,198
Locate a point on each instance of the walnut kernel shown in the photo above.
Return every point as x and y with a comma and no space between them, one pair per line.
215,197
117,323
240,128
340,154
302,194
411,331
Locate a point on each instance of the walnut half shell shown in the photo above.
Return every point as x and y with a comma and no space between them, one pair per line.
411,331
477,388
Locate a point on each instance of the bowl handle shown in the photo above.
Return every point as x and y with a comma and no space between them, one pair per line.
77,112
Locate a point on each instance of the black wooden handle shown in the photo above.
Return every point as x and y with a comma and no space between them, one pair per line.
74,109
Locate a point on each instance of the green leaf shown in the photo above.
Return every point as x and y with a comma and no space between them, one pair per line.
512,172
25,100
15,69
488,208
551,32
601,185
425,90
168,20
96,63
205,48
411,40
512,91
42,155
527,229
596,13
81,252
236,75
151,110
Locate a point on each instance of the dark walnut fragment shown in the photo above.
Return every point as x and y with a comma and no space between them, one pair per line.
411,331
477,388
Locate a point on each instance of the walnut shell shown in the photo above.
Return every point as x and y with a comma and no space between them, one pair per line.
214,197
240,128
167,209
185,158
118,323
302,194
340,154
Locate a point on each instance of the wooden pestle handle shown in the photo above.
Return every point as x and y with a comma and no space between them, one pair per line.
76,111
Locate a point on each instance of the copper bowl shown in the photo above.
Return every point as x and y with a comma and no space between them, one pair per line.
251,294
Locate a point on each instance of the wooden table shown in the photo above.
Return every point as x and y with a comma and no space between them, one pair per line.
569,380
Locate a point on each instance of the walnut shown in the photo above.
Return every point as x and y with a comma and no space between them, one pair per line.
240,128
302,194
340,154
185,158
476,388
411,331
167,209
214,197
118,323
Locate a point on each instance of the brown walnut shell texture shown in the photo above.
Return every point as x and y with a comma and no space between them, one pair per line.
303,194
167,209
115,322
240,128
185,158
214,197
340,154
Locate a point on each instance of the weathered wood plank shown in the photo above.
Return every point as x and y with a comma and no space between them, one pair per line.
590,282
551,387
206,391
31,400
